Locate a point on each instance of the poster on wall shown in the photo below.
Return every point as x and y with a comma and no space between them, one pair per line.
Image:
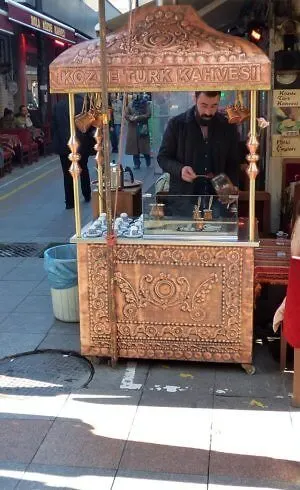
286,123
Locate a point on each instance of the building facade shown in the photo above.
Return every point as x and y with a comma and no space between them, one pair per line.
32,34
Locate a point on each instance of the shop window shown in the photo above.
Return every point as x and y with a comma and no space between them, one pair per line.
31,74
4,54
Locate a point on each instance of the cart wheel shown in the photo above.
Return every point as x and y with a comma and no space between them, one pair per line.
249,368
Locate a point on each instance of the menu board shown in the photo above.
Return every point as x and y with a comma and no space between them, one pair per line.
286,123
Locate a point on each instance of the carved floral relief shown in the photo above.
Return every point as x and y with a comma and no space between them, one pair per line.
171,301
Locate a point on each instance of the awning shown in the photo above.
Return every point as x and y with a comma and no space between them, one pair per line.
39,22
169,49
5,25
80,37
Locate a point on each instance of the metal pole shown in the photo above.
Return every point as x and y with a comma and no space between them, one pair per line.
107,180
75,169
252,145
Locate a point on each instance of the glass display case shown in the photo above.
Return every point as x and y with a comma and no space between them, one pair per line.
193,217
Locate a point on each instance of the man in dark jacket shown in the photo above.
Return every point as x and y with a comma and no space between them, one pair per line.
199,142
61,136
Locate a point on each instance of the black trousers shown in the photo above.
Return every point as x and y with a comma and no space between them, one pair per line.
68,179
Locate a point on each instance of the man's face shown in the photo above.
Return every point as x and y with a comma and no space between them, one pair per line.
207,106
24,111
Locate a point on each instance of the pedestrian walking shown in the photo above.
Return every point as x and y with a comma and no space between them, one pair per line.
61,136
117,107
137,114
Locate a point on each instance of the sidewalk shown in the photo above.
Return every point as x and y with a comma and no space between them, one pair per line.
143,425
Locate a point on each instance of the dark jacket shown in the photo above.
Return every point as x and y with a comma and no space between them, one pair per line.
183,145
61,129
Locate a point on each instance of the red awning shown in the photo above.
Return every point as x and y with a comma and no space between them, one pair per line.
5,25
30,18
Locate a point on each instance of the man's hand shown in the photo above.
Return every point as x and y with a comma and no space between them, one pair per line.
188,174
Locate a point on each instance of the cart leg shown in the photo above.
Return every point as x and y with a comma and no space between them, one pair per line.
296,380
113,361
249,368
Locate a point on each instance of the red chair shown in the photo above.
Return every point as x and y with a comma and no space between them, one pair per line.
29,149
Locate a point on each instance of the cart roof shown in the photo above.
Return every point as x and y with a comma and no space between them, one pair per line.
171,49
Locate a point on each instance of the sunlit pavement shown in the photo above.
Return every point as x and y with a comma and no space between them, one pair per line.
143,425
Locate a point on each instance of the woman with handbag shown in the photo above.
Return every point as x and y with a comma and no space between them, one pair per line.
138,140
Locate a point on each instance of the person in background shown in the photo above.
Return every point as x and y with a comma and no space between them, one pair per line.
8,120
22,118
23,121
112,130
295,252
117,107
61,136
138,140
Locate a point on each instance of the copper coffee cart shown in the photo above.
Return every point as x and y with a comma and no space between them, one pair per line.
167,48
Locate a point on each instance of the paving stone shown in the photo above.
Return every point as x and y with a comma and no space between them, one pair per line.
20,439
71,442
249,484
231,380
42,289
135,480
64,328
10,474
3,317
31,269
27,323
17,288
187,398
108,378
176,441
9,303
27,407
62,477
111,421
8,264
14,343
252,438
35,304
61,341
194,377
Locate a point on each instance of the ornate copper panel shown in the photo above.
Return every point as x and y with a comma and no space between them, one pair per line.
172,301
171,48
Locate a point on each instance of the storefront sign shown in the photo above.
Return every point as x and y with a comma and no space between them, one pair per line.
286,98
285,146
5,25
28,17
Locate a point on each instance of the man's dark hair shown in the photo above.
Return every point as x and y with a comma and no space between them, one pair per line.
208,94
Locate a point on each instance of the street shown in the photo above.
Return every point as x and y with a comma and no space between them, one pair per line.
153,425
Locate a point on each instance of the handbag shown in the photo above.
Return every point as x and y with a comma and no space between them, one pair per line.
85,119
143,130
